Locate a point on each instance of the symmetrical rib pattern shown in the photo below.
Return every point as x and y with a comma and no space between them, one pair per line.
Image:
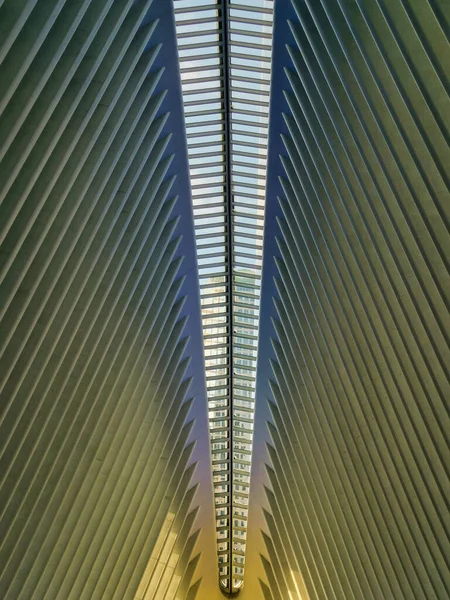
95,496
225,52
359,440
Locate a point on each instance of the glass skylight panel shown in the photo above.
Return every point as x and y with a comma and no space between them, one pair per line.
225,52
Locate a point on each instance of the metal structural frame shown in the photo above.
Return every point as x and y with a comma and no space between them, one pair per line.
225,53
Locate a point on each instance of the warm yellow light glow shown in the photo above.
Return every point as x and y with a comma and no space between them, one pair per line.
160,582
301,592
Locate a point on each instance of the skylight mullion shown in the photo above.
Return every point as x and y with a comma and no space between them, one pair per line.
255,56
259,145
202,170
244,61
241,176
246,197
191,6
251,236
250,32
245,167
253,7
200,95
257,115
209,104
249,140
255,251
246,40
207,154
208,246
212,254
214,179
247,107
214,54
209,80
243,219
251,52
187,31
192,120
201,236
249,20
209,16
239,251
248,155
203,28
257,96
193,131
192,62
264,15
245,206
237,127
202,113
207,185
209,43
208,200
252,85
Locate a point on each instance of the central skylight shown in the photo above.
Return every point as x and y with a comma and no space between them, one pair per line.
225,53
